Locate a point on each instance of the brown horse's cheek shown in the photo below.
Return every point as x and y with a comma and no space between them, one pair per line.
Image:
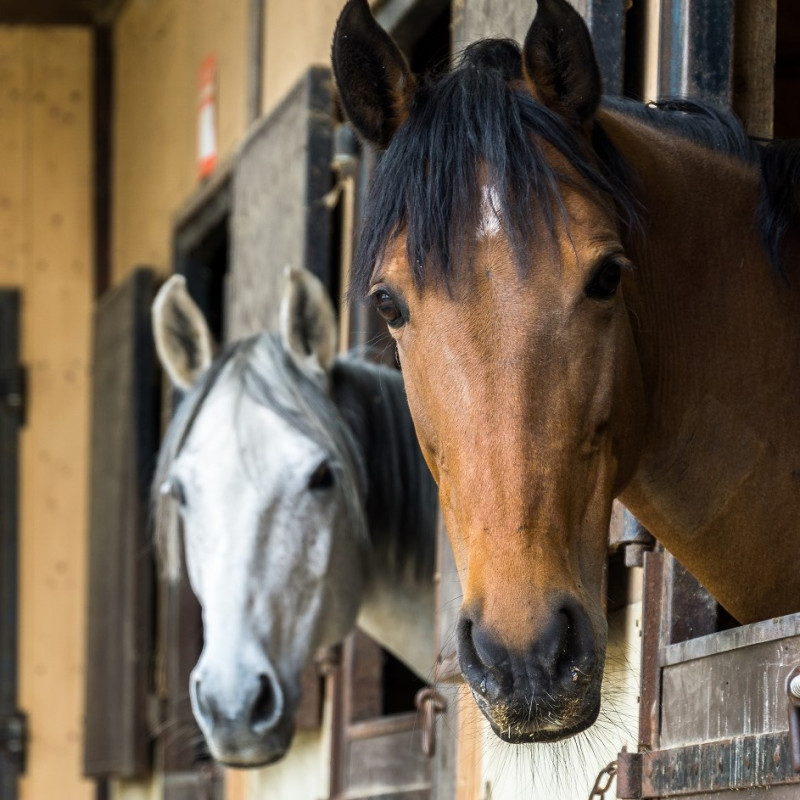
629,415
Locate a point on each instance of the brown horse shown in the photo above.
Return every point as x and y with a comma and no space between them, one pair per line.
590,300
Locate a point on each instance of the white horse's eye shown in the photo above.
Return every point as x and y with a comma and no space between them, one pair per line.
322,477
173,488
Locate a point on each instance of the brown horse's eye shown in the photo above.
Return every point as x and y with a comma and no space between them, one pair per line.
322,477
388,308
603,284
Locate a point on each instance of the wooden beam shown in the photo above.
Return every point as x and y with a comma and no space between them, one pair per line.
754,65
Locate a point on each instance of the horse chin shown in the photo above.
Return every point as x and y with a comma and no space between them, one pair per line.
250,761
518,726
256,751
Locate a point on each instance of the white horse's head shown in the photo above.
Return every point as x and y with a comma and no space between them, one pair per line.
267,484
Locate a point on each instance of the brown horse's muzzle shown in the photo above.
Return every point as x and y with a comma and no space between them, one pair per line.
547,692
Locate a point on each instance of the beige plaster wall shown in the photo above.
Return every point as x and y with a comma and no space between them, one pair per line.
46,251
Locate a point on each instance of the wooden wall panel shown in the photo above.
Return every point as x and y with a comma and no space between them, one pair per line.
12,164
297,34
754,64
46,251
159,47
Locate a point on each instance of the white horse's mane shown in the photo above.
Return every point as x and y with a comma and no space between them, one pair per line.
364,428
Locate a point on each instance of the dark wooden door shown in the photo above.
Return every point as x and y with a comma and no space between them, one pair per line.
12,404
117,737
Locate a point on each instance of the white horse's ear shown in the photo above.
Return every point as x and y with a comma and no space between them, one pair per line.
307,320
183,341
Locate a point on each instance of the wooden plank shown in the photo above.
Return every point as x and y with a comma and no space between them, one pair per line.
733,693
383,726
390,762
57,12
469,753
124,442
203,784
364,677
768,630
754,65
652,605
57,290
280,216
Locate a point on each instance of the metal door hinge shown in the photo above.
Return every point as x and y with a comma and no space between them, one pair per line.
13,392
429,703
14,739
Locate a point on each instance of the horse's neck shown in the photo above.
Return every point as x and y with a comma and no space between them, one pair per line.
718,338
397,610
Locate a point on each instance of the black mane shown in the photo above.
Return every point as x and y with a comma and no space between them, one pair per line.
472,126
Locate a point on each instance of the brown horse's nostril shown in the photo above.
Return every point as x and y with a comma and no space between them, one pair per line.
484,662
559,664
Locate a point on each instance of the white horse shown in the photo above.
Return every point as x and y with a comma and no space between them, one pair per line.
305,506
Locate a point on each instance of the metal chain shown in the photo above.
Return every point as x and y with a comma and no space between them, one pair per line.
604,781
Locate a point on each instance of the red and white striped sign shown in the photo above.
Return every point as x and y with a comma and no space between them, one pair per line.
207,118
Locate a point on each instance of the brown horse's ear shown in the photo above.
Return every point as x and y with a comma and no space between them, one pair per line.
559,61
374,81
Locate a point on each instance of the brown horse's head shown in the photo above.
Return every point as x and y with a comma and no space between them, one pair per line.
493,246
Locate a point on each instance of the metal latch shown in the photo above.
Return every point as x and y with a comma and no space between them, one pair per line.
14,738
430,703
793,693
12,392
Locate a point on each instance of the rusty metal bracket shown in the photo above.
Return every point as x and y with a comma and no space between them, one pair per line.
629,775
793,695
429,703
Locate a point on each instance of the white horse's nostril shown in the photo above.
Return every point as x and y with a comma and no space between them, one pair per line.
267,706
202,707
